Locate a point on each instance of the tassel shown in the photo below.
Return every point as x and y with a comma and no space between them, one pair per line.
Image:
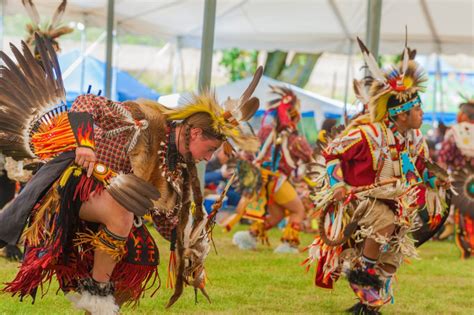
291,235
38,232
172,267
172,264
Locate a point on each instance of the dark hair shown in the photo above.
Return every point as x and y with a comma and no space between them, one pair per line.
468,109
203,121
394,101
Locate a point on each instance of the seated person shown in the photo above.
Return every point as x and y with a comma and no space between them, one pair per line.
218,171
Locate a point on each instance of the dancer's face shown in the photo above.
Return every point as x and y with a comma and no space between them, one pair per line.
202,147
413,119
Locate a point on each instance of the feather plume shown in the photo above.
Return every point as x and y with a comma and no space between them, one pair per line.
58,14
360,91
28,90
133,193
405,59
249,109
32,12
371,63
241,109
252,86
51,30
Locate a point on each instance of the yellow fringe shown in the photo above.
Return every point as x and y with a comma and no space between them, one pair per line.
258,229
74,170
113,247
172,267
37,232
291,235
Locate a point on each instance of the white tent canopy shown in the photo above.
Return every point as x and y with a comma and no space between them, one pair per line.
303,25
310,102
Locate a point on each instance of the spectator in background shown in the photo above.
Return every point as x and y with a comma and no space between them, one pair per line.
218,170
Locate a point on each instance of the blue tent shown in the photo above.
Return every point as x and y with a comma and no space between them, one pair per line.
127,87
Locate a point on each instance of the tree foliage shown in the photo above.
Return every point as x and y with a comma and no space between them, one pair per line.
239,63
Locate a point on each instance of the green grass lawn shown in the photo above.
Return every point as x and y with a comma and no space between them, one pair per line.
264,282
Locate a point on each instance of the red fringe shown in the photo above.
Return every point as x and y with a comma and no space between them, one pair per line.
133,280
319,280
31,275
40,264
85,187
39,268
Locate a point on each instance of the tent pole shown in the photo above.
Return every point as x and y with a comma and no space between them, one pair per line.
178,71
175,66
207,45
109,48
439,73
179,54
346,90
205,68
2,28
89,50
82,29
435,98
374,16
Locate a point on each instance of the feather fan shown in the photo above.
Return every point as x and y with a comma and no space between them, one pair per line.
28,90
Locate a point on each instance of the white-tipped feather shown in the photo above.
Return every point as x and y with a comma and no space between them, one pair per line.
371,63
406,58
374,67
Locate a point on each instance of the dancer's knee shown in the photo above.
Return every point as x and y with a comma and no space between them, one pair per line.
120,223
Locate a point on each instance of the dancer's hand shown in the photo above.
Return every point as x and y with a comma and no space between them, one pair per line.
339,193
86,158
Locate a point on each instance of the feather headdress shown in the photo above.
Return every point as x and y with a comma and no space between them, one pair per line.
403,81
225,120
51,30
287,106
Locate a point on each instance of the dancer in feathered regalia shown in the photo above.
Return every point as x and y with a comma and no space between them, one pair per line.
271,195
107,165
457,154
374,182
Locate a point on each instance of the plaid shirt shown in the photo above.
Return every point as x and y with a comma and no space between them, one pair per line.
111,151
165,223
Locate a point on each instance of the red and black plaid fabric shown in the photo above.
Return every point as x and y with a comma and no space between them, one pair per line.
110,151
165,223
